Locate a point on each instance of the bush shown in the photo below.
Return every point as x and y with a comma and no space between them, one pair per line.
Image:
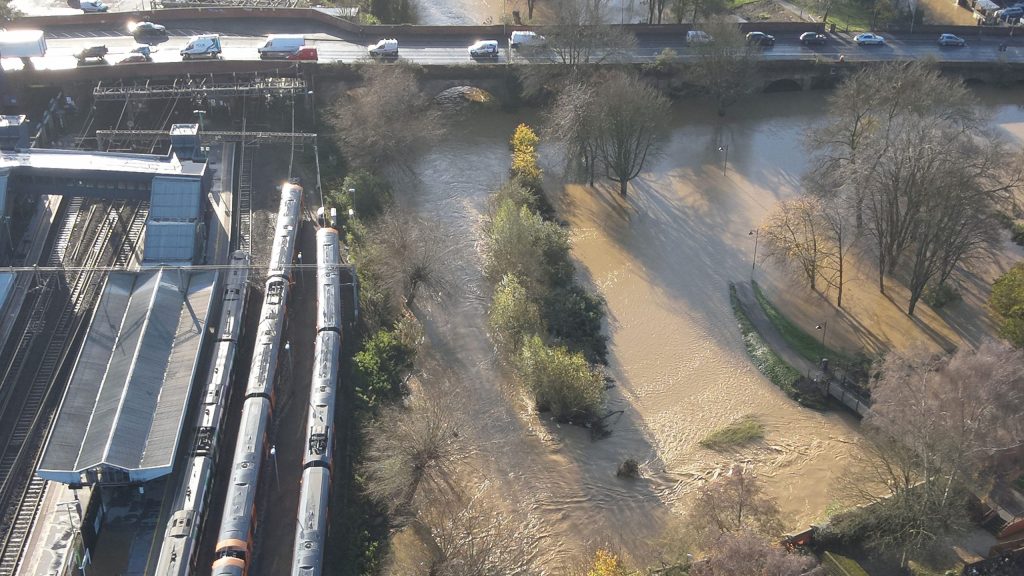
607,564
1007,302
372,195
513,317
520,243
1017,233
742,431
574,318
561,381
514,192
524,157
939,296
629,468
380,367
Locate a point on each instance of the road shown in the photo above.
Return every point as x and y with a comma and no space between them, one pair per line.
240,40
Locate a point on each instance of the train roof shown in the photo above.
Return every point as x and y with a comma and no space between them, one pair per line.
122,413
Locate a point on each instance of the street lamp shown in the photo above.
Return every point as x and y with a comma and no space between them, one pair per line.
824,331
756,233
273,454
725,163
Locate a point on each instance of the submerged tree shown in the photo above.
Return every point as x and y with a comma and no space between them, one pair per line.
725,67
917,164
731,503
387,119
751,554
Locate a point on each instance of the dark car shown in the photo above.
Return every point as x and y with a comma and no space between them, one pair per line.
808,38
148,30
92,52
760,39
951,40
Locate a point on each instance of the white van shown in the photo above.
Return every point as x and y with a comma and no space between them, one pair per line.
387,47
698,37
205,45
281,46
526,39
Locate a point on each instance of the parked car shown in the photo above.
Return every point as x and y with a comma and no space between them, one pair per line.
305,53
92,52
135,58
951,40
760,39
386,48
869,39
1010,13
808,38
484,49
147,31
90,6
698,37
526,39
205,45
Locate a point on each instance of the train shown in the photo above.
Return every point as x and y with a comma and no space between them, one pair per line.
233,553
317,460
178,551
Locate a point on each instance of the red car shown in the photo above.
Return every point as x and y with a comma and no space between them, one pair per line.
304,53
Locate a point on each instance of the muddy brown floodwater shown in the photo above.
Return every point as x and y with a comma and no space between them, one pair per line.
662,258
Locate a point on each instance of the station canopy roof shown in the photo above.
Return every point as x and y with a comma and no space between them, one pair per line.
121,417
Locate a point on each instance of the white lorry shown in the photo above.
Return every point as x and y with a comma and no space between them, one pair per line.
22,44
205,45
281,46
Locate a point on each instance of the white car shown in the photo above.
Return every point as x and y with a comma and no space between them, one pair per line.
89,6
869,39
484,49
386,48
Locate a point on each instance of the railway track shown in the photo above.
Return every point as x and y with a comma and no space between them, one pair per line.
80,288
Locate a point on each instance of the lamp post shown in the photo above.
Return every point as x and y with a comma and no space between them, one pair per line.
756,233
273,454
824,331
725,163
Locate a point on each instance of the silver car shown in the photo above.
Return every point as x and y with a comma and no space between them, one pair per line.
869,39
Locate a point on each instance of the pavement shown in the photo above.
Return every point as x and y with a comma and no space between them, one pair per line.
771,336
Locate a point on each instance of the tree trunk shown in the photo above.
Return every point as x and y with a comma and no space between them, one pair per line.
622,187
881,280
529,9
914,297
839,296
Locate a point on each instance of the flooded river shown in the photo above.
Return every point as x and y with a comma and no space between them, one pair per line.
662,258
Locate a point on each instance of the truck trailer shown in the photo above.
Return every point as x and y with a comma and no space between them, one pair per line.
22,44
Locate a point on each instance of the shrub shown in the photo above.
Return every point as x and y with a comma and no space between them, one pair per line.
380,367
513,317
629,468
607,564
524,157
371,197
939,296
514,192
1017,233
742,431
574,318
561,381
1007,302
522,244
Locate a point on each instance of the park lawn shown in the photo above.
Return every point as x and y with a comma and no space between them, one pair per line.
804,343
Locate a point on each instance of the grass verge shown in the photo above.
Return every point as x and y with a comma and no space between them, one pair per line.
851,16
768,363
807,345
836,565
734,4
738,433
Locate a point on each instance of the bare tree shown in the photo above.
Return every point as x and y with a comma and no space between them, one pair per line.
915,161
937,424
795,234
578,35
733,502
408,448
631,126
725,67
655,10
574,120
411,255
463,534
840,235
387,119
751,554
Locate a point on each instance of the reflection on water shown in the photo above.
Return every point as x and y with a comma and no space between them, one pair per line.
662,258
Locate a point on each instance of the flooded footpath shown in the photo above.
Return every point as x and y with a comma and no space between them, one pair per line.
662,258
